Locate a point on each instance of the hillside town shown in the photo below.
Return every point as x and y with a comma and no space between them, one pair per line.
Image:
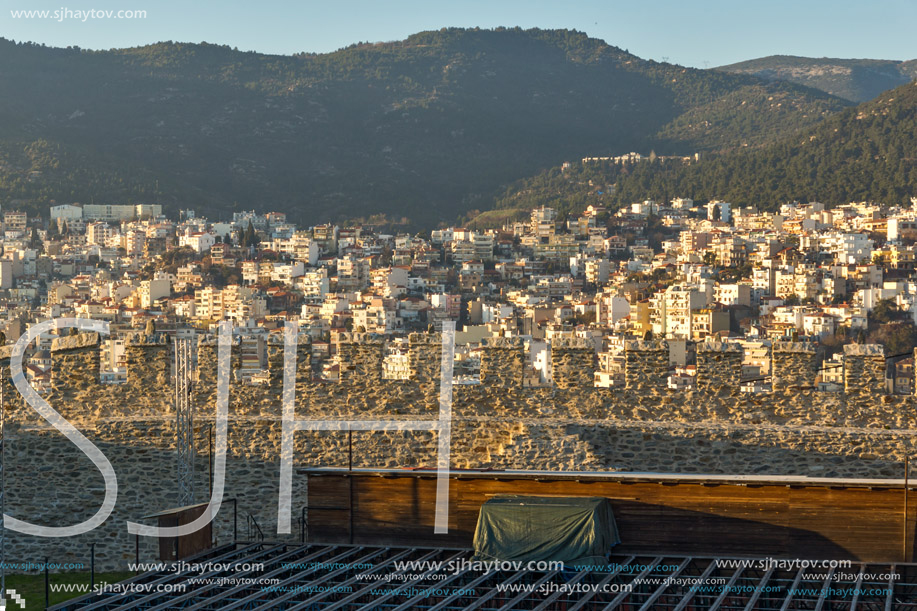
674,270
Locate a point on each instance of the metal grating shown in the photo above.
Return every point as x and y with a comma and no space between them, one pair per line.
348,577
2,488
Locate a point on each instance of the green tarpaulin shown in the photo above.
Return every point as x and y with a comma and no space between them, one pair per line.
576,530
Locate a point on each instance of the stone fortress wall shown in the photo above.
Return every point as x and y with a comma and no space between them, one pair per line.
860,432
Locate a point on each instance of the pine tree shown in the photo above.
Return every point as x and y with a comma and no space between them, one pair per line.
249,238
249,235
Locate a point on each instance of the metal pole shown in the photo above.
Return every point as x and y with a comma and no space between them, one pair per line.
350,478
92,566
210,466
235,520
136,553
210,477
47,585
904,525
302,526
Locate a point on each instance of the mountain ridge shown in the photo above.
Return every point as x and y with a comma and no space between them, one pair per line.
424,128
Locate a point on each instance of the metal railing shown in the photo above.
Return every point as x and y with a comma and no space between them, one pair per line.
254,529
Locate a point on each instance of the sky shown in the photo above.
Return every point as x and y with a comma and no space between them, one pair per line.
699,33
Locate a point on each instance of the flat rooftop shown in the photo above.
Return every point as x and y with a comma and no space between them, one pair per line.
630,476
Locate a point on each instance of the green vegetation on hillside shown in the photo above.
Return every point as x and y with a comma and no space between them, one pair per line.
427,127
866,153
566,190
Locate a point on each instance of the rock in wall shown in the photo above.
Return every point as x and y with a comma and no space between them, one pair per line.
719,366
572,362
503,362
361,356
646,365
793,364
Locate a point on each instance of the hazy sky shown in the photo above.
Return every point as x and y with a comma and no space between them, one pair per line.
700,33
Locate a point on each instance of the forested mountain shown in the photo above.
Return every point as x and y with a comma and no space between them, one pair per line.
857,80
427,127
865,153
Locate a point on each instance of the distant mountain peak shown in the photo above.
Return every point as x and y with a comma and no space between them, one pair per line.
857,80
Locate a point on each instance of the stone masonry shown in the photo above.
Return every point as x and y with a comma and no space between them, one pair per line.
719,366
572,362
793,365
646,364
501,424
503,361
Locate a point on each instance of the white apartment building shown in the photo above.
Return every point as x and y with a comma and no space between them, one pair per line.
67,212
850,248
732,294
610,308
495,312
208,303
236,302
796,282
14,220
335,303
300,246
353,273
313,283
897,225
151,290
377,318
257,272
99,212
199,242
597,271
441,236
286,273
720,211
543,222
133,242
670,311
819,324
99,233
762,281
